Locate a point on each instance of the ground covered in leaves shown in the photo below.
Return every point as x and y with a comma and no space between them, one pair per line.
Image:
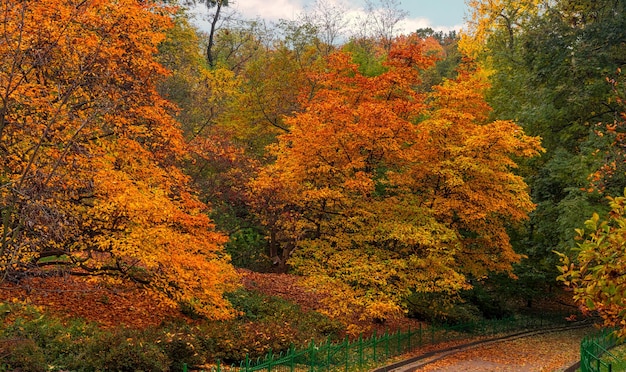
105,305
111,306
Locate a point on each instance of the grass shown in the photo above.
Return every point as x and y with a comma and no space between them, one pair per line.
616,357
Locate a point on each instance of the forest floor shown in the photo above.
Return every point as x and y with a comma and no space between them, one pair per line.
111,306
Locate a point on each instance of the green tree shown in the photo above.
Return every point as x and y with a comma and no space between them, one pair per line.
550,62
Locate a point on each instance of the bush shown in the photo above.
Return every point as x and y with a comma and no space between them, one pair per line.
490,303
44,343
22,355
439,308
265,323
54,341
182,344
121,351
258,307
246,248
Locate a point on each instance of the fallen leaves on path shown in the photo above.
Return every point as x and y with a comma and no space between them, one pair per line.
546,352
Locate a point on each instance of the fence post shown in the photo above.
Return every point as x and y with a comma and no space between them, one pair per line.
399,335
409,340
374,344
269,362
408,344
432,334
360,351
328,354
347,343
420,335
313,355
387,344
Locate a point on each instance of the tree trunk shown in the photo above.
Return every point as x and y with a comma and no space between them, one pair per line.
209,48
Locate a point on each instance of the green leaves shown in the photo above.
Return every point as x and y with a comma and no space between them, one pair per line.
596,273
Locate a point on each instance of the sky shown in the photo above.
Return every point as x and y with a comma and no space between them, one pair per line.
440,15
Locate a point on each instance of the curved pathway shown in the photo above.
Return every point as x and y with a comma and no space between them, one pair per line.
546,349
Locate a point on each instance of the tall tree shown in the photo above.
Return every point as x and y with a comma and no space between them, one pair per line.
330,21
220,160
381,21
215,8
89,177
550,61
378,190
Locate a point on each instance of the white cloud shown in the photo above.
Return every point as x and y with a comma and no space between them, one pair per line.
410,25
270,10
290,9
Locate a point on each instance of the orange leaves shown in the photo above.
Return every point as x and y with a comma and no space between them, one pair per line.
91,150
383,191
468,164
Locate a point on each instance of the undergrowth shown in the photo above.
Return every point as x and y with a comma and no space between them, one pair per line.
33,340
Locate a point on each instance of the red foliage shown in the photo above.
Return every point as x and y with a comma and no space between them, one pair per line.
106,305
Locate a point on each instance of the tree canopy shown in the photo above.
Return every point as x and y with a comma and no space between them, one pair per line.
90,152
379,190
137,148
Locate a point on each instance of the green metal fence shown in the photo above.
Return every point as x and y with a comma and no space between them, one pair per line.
365,353
595,355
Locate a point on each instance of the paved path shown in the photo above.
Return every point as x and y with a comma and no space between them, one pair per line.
543,350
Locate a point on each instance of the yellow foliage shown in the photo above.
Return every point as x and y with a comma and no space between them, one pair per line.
378,191
90,152
489,16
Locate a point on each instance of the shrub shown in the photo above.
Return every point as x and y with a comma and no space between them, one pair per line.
56,342
246,248
121,351
265,323
439,308
490,303
22,355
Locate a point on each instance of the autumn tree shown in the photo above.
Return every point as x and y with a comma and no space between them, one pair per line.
90,183
446,46
549,62
215,8
219,161
378,190
230,112
596,273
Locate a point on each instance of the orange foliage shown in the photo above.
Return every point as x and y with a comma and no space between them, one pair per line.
88,177
378,190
